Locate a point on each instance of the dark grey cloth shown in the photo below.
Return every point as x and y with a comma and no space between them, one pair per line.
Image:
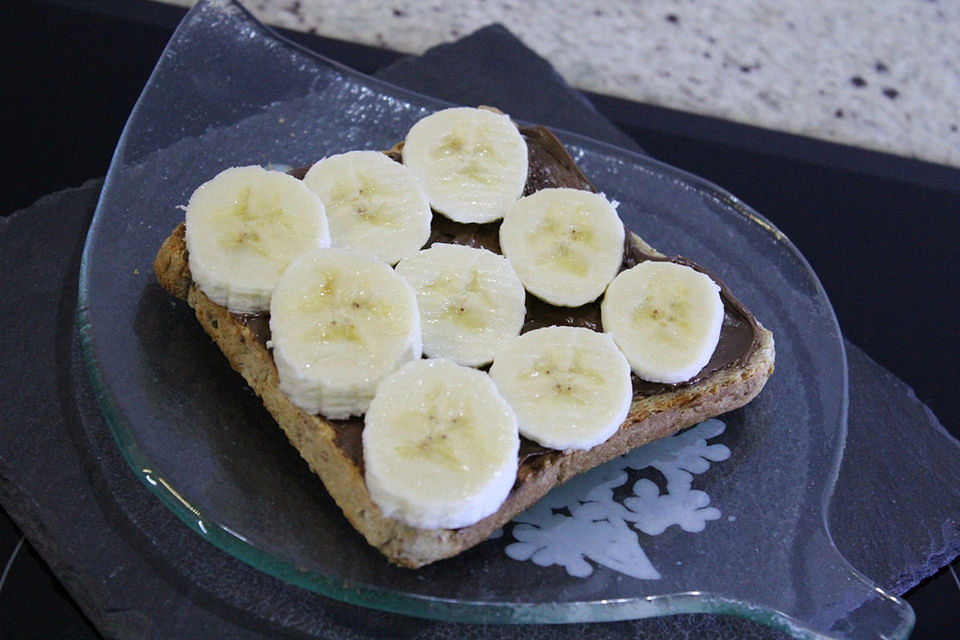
492,67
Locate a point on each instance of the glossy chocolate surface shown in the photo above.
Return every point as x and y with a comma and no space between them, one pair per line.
551,166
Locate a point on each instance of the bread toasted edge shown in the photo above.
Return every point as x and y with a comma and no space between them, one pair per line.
650,418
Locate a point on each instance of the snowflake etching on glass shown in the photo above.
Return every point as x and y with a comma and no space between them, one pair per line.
591,518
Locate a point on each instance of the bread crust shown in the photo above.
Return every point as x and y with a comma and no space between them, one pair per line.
650,418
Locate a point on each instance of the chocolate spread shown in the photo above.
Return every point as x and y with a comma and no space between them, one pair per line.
550,165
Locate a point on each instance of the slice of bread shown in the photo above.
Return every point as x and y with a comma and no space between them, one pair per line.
332,448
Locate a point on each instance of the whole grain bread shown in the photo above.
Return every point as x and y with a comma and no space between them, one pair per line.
322,444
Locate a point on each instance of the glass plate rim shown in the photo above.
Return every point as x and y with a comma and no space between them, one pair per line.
441,609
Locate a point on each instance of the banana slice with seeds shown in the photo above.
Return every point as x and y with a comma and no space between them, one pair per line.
440,445
243,228
665,317
375,206
470,301
339,323
565,244
570,387
472,163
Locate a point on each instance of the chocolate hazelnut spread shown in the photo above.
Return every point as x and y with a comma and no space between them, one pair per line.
550,165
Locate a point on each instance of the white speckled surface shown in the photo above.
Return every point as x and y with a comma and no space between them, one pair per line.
880,74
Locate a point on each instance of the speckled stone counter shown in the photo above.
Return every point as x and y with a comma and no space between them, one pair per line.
880,75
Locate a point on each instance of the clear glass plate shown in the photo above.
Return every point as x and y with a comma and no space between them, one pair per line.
228,92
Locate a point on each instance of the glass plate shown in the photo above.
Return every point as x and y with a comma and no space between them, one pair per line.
228,92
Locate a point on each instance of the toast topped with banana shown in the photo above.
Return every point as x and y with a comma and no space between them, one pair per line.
448,329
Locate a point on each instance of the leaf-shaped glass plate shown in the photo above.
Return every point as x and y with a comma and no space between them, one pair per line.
228,92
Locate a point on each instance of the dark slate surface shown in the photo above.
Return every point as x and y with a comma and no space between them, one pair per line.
138,572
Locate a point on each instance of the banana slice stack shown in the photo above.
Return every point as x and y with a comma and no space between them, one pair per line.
569,386
471,301
339,323
349,331
439,445
244,228
374,205
472,163
566,244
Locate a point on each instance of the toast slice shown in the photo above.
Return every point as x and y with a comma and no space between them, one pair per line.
738,371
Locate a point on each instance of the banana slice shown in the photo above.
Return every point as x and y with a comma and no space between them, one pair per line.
339,323
470,301
666,319
375,206
471,162
570,387
565,244
243,228
440,445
